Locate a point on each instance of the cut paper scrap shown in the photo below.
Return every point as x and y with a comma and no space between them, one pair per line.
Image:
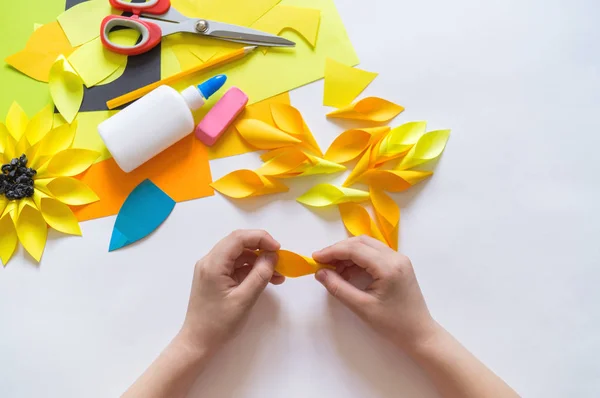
81,23
351,143
66,89
304,21
387,213
144,211
247,183
371,109
43,47
294,162
290,120
358,221
322,195
343,83
94,63
182,172
394,180
294,265
283,69
231,142
399,141
430,146
264,136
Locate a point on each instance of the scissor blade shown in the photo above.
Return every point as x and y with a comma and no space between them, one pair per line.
240,34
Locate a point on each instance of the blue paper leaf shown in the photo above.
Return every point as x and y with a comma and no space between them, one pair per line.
146,207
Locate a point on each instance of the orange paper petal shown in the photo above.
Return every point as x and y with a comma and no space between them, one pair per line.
264,136
387,213
358,221
294,265
289,119
247,183
372,109
394,180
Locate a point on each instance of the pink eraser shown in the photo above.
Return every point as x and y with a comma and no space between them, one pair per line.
222,114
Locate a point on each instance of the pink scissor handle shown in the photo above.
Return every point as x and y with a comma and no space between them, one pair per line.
151,34
155,7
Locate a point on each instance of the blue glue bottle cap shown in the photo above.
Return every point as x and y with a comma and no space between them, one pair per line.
212,85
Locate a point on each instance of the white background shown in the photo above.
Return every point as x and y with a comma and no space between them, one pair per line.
504,237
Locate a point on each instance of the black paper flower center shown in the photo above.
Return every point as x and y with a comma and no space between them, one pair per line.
16,179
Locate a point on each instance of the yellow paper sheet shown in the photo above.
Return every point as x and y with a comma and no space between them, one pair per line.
370,109
430,146
387,213
394,180
264,136
231,142
94,63
247,183
304,21
322,195
358,222
66,89
40,52
262,76
81,23
343,83
294,265
290,120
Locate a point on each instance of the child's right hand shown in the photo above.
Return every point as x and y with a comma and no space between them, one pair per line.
393,303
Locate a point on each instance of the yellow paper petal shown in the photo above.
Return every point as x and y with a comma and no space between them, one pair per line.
40,124
40,52
66,89
289,119
57,140
81,23
94,62
16,121
387,213
430,146
304,21
59,216
321,166
246,183
343,83
86,134
287,161
68,190
294,265
32,231
402,138
372,109
71,162
358,221
4,134
8,238
263,136
10,208
322,195
360,169
394,180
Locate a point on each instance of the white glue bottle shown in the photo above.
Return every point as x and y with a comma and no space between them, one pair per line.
154,122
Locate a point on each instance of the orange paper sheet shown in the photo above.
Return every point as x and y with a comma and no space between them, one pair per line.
182,172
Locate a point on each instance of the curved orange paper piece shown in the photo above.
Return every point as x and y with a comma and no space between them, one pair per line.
294,265
264,136
43,47
372,109
387,213
358,221
360,169
290,120
247,183
394,180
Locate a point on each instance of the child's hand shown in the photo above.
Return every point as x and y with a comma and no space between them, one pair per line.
392,304
227,282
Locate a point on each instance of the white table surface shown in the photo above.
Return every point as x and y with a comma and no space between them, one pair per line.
504,237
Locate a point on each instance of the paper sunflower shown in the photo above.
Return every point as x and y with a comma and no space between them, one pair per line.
36,181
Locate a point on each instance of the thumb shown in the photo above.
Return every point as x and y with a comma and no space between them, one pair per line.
352,297
258,278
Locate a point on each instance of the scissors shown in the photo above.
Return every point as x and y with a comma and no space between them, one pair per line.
156,18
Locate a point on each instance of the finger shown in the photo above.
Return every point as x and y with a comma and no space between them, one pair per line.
248,257
374,243
232,246
362,255
241,273
277,279
350,296
258,277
